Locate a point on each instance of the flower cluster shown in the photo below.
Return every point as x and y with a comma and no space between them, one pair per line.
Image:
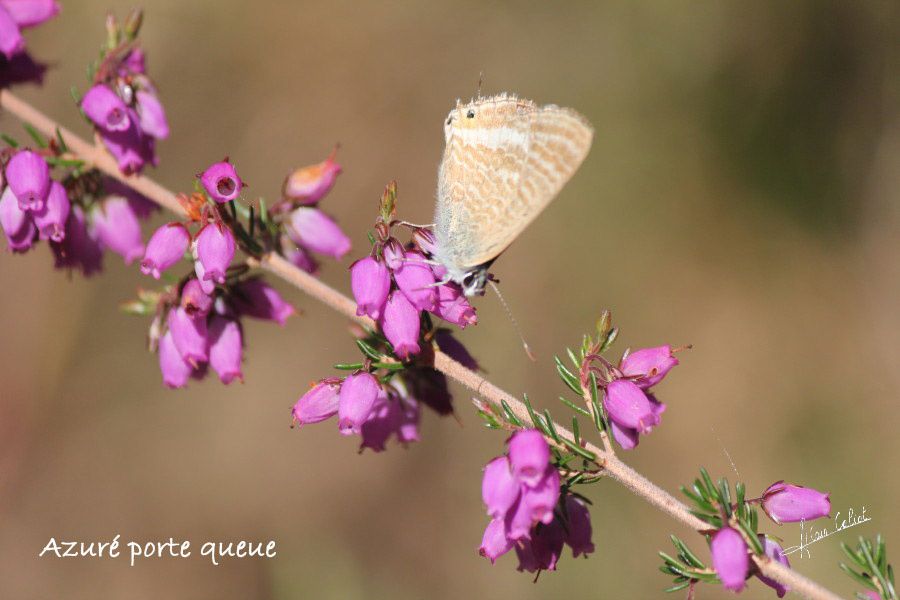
395,284
80,216
16,15
366,407
528,511
123,104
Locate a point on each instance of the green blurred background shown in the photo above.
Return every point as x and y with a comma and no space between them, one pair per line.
741,195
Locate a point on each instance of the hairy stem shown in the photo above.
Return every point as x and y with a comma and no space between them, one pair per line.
278,266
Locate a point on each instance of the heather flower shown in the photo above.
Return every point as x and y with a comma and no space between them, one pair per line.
135,62
301,259
194,300
393,254
51,219
308,185
318,404
11,40
79,249
649,365
529,456
628,437
499,487
730,558
175,370
105,108
579,529
152,115
357,397
416,280
225,348
370,281
400,325
221,182
256,298
16,223
542,551
495,544
773,550
535,505
453,306
30,13
394,413
28,175
629,407
789,503
116,225
425,240
316,231
215,251
190,334
453,348
166,247
130,147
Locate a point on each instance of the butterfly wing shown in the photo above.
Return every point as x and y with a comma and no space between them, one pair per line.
501,168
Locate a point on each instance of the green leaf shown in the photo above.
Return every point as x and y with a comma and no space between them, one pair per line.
696,499
725,495
583,452
551,426
710,488
865,581
575,361
368,350
576,430
59,140
678,586
751,535
567,377
689,556
12,143
510,415
39,139
348,366
574,407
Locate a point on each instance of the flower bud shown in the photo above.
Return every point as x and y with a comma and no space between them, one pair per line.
730,558
579,530
190,335
499,487
308,185
152,115
117,227
30,13
453,306
221,182
28,175
194,300
318,404
651,364
175,370
105,108
256,298
370,281
789,503
225,348
166,247
357,397
51,219
16,223
416,281
401,324
529,456
774,551
11,40
316,231
629,407
215,251
494,543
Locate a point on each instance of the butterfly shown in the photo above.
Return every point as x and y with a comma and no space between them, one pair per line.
505,159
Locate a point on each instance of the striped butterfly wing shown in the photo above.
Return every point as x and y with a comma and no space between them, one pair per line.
502,166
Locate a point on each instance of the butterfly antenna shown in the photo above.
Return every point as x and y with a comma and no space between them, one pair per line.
512,320
480,81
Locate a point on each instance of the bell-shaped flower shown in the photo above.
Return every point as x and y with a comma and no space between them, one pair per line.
105,108
28,175
494,543
453,306
319,403
357,397
774,551
152,114
401,325
499,487
175,370
51,218
116,224
579,532
308,185
629,407
215,251
370,281
225,348
529,456
17,224
256,298
11,40
194,300
166,247
222,182
79,249
415,279
316,231
190,334
789,503
650,365
30,13
730,558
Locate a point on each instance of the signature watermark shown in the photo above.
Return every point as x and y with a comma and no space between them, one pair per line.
810,536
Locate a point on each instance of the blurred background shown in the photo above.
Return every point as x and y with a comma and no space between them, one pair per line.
740,196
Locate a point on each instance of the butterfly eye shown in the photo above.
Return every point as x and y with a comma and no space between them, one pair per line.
450,120
470,114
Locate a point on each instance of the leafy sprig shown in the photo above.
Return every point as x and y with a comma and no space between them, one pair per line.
870,567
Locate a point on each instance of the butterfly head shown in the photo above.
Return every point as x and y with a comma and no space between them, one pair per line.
474,280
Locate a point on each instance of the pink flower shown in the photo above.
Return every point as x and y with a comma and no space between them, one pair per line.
499,487
416,280
453,306
215,251
579,529
774,551
152,115
730,558
542,551
28,175
79,249
649,364
495,544
400,324
51,218
301,259
370,281
194,300
529,456
105,108
318,404
30,13
17,224
357,397
225,348
116,225
190,334
629,407
131,148
256,298
166,247
308,185
316,231
175,370
789,503
11,40
628,437
221,182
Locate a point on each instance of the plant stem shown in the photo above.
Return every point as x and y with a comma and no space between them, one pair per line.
278,266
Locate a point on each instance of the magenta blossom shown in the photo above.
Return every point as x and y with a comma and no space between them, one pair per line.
30,13
400,324
214,250
395,413
79,249
730,558
789,503
495,544
17,224
131,148
629,437
152,114
116,225
499,487
580,531
774,551
542,551
51,219
629,407
319,403
190,334
358,394
301,259
370,281
175,370
453,306
308,185
11,40
648,365
105,108
28,175
529,456
194,300
256,298
316,231
416,280
225,348
221,182
166,247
